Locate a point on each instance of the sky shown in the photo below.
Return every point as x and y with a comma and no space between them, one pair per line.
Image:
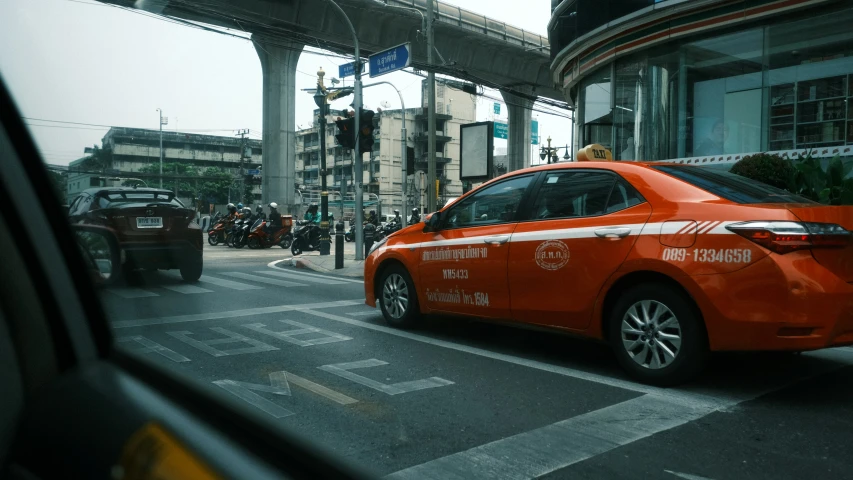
97,66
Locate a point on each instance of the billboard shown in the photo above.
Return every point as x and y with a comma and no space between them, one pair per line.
476,154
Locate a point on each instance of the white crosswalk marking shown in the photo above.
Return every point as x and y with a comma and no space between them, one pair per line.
228,283
129,292
271,281
186,289
294,276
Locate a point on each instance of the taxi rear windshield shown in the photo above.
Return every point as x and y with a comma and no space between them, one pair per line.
732,187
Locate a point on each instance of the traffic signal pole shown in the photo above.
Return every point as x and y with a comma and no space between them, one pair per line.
358,175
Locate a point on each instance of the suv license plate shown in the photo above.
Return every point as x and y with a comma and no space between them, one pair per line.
149,222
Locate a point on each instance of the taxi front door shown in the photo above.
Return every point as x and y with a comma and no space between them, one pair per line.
463,265
578,233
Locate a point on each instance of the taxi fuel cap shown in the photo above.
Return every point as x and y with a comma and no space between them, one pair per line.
594,153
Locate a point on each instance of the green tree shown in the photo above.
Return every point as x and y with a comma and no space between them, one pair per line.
59,182
186,186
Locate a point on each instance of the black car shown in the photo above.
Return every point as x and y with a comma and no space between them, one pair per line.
154,229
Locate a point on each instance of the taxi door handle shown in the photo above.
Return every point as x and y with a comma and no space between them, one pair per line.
496,240
613,232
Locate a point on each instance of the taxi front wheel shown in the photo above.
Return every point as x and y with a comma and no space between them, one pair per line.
658,335
397,297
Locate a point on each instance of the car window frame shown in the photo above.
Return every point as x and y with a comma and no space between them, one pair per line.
541,182
522,204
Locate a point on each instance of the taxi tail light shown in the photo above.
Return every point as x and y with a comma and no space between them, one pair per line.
784,237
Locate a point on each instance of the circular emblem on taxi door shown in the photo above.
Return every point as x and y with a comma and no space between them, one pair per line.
552,255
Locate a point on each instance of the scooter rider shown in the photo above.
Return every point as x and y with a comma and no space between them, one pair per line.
416,216
232,211
371,218
312,215
397,217
275,219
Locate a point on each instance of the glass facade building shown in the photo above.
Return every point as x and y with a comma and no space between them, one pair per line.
729,85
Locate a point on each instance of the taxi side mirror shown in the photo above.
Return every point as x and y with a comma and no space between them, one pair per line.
434,223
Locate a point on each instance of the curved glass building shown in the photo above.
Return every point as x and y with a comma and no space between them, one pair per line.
658,80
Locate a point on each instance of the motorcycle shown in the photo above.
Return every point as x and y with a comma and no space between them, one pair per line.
259,238
306,237
388,229
232,236
218,232
350,235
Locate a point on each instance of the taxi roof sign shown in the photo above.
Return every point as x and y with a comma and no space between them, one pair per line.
594,153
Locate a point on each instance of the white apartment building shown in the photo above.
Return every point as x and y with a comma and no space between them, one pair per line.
382,168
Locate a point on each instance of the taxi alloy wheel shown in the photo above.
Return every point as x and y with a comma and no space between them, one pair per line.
651,334
658,335
397,297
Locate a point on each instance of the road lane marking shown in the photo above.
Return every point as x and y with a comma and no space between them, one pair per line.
568,372
543,450
200,317
361,314
129,292
293,276
230,337
256,278
279,385
243,391
687,476
228,283
150,346
559,445
186,289
343,279
343,370
289,335
332,395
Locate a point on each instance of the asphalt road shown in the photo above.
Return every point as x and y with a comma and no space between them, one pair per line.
459,399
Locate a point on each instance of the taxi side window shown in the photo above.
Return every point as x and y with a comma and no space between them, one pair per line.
623,196
568,194
494,204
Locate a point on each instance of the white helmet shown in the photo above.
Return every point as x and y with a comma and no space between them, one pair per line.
273,205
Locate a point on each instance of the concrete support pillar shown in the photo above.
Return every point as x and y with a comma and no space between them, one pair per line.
518,135
278,63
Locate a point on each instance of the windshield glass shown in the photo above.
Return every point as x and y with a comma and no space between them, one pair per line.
732,187
558,322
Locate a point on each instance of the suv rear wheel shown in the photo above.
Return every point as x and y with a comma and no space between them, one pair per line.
191,269
658,335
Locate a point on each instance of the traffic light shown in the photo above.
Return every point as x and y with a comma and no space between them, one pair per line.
346,133
365,135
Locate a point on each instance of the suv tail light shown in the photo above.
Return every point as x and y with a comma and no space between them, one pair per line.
784,237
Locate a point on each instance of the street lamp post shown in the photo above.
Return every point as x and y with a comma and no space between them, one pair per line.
549,152
320,100
358,174
161,146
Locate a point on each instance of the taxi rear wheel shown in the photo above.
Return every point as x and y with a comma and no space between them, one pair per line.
397,297
658,335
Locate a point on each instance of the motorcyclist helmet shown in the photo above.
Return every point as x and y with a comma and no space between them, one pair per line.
240,205
231,208
273,205
247,211
415,211
396,212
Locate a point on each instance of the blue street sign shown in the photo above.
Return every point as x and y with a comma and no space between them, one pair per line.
391,60
347,69
497,108
502,131
253,172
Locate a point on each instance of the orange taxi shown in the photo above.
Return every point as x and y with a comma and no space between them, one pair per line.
666,262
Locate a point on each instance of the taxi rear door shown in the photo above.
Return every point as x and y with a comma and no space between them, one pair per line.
579,230
463,265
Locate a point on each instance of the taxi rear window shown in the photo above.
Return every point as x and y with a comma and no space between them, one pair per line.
732,187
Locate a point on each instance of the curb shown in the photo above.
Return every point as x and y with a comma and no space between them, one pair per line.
298,262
